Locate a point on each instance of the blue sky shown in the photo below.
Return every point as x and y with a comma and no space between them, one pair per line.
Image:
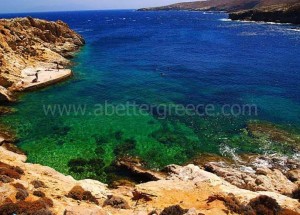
62,5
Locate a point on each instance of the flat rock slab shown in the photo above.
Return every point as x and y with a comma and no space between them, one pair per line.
45,77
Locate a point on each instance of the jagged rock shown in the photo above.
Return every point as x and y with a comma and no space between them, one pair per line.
13,148
192,173
6,137
264,179
294,175
5,95
135,167
30,43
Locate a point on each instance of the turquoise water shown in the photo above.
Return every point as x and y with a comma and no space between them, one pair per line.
170,58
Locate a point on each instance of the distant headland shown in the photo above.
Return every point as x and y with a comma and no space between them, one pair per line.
285,11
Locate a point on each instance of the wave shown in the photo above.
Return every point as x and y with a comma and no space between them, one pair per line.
225,20
227,151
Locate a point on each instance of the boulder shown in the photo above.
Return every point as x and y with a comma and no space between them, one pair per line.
264,179
5,95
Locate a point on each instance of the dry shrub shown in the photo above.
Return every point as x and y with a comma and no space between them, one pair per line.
78,193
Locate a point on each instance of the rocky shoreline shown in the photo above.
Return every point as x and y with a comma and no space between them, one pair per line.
191,190
286,11
34,54
278,14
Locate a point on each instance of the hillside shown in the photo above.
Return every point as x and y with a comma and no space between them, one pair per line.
279,14
222,5
284,11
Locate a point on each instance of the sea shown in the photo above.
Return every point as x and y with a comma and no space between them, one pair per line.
168,87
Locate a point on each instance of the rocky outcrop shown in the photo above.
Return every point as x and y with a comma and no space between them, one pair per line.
187,190
280,14
261,179
5,95
36,44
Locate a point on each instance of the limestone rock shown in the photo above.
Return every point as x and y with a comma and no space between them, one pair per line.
5,95
264,179
80,210
294,175
28,42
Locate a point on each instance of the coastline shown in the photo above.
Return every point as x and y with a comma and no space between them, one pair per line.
190,189
37,57
185,189
286,12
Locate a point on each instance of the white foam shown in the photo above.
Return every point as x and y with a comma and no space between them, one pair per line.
225,20
227,151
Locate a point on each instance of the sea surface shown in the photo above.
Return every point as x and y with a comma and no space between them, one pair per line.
163,59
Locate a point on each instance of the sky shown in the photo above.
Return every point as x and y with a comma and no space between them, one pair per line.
16,6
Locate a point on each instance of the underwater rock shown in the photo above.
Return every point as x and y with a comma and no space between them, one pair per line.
135,167
263,130
6,110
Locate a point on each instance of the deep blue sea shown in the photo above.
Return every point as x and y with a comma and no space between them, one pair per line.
165,58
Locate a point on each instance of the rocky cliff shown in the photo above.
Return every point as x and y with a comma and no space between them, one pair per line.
288,13
284,11
35,44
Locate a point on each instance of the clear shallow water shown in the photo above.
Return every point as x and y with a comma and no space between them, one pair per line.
203,59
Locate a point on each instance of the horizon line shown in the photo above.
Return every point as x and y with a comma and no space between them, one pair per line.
60,11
